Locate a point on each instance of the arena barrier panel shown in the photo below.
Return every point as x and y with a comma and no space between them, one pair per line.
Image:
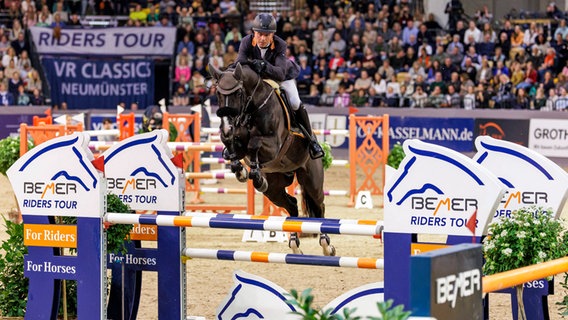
437,166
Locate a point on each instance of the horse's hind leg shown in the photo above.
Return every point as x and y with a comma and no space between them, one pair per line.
310,179
279,197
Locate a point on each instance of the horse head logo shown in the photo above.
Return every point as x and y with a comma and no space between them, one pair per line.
531,178
439,189
56,174
140,171
253,297
78,170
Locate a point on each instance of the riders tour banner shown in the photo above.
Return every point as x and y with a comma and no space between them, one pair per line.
105,41
85,84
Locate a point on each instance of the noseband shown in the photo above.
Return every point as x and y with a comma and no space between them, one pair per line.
243,116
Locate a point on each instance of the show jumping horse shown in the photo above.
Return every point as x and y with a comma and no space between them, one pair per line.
256,127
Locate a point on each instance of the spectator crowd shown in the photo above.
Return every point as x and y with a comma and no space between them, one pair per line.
351,53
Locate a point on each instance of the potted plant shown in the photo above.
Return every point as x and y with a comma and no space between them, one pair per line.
530,236
13,284
9,153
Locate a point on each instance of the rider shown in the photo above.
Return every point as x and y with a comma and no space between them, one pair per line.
266,53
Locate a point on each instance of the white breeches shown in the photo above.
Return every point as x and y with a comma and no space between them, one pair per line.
292,93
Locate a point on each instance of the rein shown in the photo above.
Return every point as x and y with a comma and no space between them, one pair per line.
243,117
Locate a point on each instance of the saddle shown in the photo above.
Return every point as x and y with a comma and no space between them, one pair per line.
285,104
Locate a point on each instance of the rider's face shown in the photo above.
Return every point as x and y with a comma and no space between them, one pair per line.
263,39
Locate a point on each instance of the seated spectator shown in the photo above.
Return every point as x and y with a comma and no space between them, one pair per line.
34,82
551,101
485,73
74,21
483,96
472,35
405,97
216,59
337,61
197,86
230,56
500,68
539,100
183,69
6,98
184,84
522,100
518,75
438,82
45,17
360,98
327,97
416,70
187,44
502,99
57,24
59,8
26,72
392,99
548,81
318,82
364,82
469,99
453,97
303,80
562,101
233,38
184,16
180,97
342,98
333,82
386,70
14,82
36,98
20,44
486,47
347,83
22,98
419,98
8,57
23,60
437,99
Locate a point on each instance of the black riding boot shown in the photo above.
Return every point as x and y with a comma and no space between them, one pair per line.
303,120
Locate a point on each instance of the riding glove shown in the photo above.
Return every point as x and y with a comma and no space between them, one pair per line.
258,65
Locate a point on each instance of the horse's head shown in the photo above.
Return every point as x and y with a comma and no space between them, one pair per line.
253,297
236,90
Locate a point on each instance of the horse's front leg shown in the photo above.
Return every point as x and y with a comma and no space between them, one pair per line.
258,180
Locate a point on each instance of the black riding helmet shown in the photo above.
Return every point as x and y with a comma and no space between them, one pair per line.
264,22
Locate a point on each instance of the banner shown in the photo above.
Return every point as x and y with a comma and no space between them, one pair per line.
106,41
453,133
513,130
549,137
88,84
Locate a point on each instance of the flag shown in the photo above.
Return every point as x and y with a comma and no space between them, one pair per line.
79,118
472,222
353,110
119,110
61,119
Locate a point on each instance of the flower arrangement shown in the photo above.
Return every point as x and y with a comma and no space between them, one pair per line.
530,236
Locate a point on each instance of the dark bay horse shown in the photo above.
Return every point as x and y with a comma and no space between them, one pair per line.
255,127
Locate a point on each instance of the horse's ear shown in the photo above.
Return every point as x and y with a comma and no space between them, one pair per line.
238,73
215,73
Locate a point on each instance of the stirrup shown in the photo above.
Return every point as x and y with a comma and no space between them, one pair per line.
316,151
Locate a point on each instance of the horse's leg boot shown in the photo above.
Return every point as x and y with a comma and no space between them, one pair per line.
303,121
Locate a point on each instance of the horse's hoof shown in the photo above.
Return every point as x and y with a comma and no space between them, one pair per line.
242,175
261,186
330,251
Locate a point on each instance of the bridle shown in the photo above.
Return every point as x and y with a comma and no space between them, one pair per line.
243,117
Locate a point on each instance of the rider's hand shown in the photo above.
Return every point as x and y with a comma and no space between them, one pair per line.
258,65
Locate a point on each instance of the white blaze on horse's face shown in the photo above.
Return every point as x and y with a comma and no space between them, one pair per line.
225,126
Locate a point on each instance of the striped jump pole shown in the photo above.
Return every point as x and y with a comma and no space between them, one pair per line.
335,162
242,224
319,132
210,175
283,258
282,218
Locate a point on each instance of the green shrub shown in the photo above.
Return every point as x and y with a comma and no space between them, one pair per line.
10,152
396,155
13,284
